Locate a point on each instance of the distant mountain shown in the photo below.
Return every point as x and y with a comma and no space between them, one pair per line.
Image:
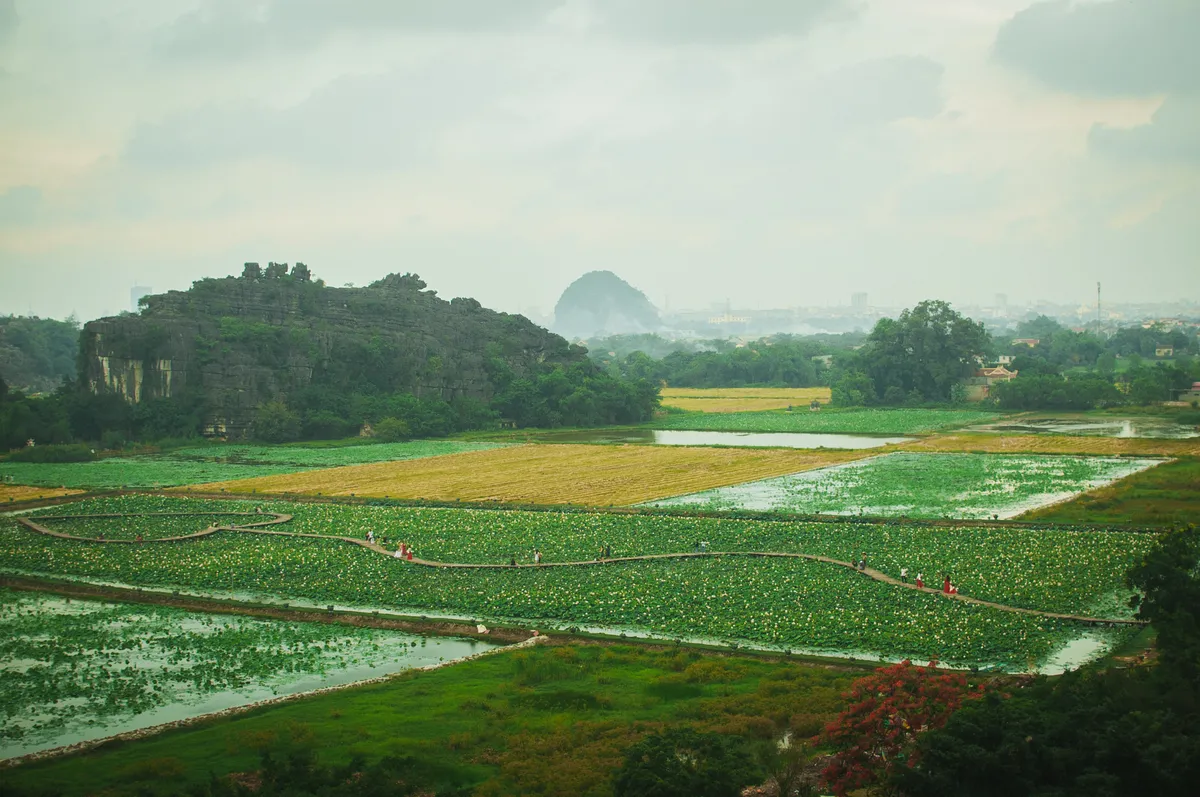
600,302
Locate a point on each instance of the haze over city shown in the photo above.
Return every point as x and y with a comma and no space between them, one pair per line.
912,148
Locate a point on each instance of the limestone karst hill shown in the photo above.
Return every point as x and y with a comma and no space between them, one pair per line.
271,333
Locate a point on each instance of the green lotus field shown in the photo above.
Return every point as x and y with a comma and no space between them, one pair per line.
969,486
773,602
76,669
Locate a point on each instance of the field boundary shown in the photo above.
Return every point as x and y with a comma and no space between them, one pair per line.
256,528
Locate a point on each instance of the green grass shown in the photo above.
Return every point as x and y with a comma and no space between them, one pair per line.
772,602
544,721
1164,496
969,486
842,421
219,462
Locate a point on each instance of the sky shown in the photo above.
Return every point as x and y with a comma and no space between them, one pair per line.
911,149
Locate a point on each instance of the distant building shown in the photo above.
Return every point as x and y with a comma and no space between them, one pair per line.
1164,351
1030,342
979,385
1005,359
729,318
858,301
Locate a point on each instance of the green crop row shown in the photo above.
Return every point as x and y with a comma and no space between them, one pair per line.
785,603
902,484
848,421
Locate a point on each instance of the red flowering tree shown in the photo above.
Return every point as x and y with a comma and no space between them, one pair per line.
875,734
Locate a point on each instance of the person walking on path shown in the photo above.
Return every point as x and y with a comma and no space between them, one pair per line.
512,561
410,552
399,554
904,575
371,537
862,561
920,581
946,584
607,551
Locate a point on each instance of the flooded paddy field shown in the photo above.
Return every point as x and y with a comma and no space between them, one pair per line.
75,670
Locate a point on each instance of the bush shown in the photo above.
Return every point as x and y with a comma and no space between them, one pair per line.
392,430
62,453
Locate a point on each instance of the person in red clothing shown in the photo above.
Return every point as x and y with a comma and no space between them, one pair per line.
946,586
920,581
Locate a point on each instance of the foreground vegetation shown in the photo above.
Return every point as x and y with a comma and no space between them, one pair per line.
551,720
549,474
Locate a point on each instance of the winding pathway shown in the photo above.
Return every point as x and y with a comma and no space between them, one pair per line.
274,518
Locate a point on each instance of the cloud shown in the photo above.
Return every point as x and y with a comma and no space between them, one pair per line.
8,17
1172,135
222,29
1107,48
712,21
358,122
19,205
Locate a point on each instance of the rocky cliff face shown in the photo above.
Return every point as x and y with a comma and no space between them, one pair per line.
262,336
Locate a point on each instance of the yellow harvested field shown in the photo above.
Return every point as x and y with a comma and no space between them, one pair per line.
741,399
1055,444
11,493
558,474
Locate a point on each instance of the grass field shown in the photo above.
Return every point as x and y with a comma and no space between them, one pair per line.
220,463
1165,496
551,720
922,485
10,493
742,399
843,421
559,474
1056,444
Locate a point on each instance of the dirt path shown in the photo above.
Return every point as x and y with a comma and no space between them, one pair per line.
276,518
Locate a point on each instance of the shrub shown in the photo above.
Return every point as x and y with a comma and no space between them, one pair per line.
59,453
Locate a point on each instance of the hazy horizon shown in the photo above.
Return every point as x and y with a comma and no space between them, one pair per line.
910,149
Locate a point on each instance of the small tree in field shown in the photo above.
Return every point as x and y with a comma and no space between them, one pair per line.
875,734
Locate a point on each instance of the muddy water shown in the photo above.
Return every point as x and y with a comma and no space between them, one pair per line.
673,437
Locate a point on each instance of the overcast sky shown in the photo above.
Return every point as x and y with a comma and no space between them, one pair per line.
500,148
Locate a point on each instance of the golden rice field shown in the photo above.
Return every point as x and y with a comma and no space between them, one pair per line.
741,399
558,474
1054,444
11,493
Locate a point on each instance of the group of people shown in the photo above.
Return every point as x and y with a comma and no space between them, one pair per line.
948,588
